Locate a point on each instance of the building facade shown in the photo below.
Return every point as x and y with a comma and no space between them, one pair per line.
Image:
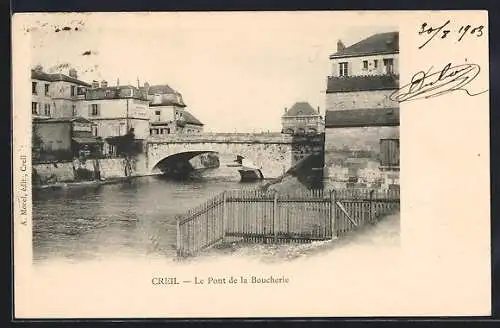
116,110
300,119
361,121
56,95
168,113
65,138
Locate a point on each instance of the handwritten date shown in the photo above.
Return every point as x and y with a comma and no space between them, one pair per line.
442,32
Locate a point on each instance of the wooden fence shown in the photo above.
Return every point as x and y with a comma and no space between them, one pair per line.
269,217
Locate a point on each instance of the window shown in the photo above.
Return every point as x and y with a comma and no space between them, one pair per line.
46,110
74,110
47,89
375,63
389,65
389,152
94,130
34,108
343,69
94,110
73,91
33,88
157,112
365,64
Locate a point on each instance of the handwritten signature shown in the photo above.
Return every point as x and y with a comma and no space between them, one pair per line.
426,85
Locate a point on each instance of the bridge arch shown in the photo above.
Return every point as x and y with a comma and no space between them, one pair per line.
273,152
178,165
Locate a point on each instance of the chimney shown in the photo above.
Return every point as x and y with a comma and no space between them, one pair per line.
104,84
318,110
38,68
73,73
118,82
340,45
95,84
286,110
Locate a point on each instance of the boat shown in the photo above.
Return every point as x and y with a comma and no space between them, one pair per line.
250,174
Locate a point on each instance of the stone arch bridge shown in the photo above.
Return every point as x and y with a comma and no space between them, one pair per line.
272,153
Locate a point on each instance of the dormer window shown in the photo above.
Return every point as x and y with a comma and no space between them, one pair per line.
157,98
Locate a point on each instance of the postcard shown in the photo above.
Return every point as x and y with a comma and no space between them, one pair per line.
251,164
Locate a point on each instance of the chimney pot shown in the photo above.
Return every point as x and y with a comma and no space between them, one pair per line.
340,45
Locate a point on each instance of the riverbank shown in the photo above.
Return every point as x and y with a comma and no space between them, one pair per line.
77,184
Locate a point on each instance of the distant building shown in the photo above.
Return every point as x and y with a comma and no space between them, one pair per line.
361,121
167,112
301,118
116,110
56,95
60,139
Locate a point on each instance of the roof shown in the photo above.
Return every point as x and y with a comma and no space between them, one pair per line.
362,83
301,108
380,43
38,75
190,118
168,102
115,92
362,117
170,97
61,119
161,89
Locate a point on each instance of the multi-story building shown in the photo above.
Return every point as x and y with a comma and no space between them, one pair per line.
56,95
168,113
116,110
301,118
361,120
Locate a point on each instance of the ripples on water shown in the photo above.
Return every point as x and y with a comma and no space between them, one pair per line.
132,218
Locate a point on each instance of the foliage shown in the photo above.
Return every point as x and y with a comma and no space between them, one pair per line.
126,145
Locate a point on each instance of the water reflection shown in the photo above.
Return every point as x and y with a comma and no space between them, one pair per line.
132,218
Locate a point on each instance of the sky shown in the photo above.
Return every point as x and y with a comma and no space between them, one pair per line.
236,71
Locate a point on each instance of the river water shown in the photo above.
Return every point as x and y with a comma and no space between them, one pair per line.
129,219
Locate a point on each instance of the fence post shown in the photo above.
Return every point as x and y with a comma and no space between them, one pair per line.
275,210
224,215
371,205
179,246
333,221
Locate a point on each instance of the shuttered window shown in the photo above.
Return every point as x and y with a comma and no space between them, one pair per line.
94,110
389,152
343,69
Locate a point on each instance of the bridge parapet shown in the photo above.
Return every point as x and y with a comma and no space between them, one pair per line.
246,138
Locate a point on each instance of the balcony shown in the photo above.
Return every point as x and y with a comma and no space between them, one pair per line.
362,83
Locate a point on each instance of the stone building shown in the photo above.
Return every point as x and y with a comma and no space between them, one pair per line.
116,110
64,138
56,95
361,121
168,113
301,118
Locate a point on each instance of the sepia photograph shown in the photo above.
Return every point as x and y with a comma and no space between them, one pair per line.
315,174
214,150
